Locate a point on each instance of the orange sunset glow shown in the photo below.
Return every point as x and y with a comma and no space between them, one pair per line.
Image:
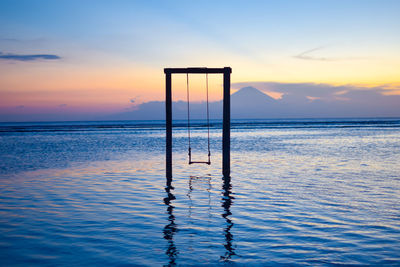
114,68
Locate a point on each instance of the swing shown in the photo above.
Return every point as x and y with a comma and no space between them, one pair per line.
208,162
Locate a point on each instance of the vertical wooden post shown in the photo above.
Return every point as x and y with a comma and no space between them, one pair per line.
168,122
226,131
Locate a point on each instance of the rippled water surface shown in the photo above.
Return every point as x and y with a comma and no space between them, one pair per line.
302,192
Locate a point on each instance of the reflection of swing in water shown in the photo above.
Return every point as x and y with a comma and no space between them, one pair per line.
171,228
189,194
193,180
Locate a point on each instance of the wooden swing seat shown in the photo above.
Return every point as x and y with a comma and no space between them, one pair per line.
201,162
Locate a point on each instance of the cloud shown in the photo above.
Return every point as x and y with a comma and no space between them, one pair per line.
9,40
299,100
326,100
316,90
134,103
305,55
28,57
135,100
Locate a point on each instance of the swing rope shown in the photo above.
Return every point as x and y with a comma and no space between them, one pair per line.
208,123
188,116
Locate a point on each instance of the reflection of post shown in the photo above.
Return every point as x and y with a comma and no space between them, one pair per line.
170,229
226,204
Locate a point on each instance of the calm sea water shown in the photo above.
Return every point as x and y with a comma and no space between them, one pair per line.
302,192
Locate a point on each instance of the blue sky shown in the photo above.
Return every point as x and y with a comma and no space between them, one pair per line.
101,50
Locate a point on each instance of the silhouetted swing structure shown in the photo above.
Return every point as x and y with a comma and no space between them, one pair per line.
226,71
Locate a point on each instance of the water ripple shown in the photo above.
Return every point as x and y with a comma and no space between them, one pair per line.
300,194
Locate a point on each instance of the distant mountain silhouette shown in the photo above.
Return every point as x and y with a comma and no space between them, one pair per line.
248,102
250,96
302,100
251,103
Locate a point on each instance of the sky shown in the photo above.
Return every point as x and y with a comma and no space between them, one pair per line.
81,59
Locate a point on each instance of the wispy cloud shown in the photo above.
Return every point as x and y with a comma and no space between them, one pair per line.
28,57
2,39
307,55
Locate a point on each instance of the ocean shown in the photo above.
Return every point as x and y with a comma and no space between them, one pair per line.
317,192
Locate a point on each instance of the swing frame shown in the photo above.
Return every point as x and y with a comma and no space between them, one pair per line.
226,71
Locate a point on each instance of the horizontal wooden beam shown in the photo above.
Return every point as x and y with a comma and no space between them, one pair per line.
197,70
